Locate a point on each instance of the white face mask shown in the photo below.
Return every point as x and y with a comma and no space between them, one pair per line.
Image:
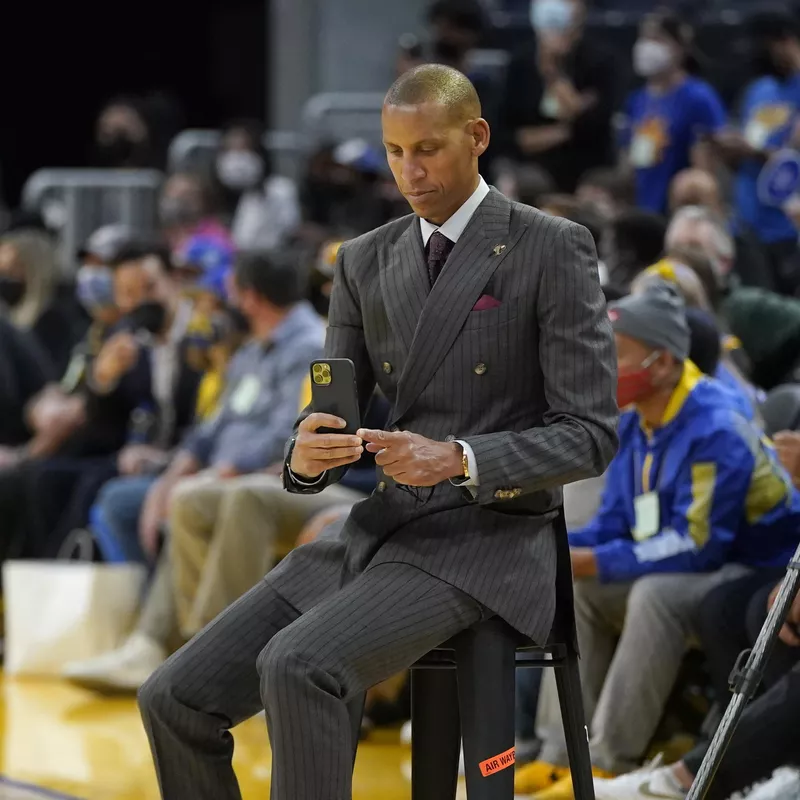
552,16
240,169
651,58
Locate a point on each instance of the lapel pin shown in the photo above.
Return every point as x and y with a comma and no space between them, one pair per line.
499,249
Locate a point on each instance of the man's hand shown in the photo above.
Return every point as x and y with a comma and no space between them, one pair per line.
315,453
412,459
584,563
117,356
791,628
787,446
226,471
134,459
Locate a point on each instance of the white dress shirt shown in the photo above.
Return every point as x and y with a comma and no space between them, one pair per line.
452,229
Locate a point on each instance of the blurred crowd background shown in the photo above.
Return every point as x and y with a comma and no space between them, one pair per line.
172,199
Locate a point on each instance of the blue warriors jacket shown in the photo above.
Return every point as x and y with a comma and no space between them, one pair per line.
720,493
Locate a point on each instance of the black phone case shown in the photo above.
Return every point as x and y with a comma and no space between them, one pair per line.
334,391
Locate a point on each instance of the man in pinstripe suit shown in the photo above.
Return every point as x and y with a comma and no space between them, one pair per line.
483,322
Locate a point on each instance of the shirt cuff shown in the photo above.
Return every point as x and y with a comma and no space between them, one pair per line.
303,481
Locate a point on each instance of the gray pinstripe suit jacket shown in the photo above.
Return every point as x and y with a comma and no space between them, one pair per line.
530,385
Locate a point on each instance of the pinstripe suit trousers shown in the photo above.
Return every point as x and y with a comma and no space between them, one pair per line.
303,669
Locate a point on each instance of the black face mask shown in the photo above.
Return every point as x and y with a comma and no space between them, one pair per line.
150,316
118,151
12,290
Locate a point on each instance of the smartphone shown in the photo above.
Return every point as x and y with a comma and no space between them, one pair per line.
334,391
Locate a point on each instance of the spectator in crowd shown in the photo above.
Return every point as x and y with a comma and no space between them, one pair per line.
691,287
525,183
141,395
265,207
693,498
607,191
696,187
634,240
729,621
768,112
37,301
206,494
123,138
668,119
698,227
187,209
559,96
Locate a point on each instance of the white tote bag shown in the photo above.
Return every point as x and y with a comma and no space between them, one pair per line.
61,611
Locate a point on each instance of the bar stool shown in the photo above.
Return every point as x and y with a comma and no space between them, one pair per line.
466,688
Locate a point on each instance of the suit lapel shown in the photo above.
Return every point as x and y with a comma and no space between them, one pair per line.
472,263
405,283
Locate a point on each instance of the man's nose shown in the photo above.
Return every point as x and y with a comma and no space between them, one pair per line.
412,172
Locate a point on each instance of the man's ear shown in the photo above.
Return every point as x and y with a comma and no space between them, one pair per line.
481,135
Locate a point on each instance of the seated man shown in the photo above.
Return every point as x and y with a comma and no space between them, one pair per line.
205,494
766,738
693,498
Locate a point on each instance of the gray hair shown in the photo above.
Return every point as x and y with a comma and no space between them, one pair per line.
37,253
701,215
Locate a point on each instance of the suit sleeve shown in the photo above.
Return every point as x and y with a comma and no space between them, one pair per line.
699,529
578,360
344,339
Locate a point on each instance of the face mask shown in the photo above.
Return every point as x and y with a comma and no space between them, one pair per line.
636,384
651,58
12,290
117,151
177,211
150,316
551,16
95,287
240,170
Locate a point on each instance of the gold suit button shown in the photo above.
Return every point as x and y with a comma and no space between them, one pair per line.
381,487
387,367
500,494
480,369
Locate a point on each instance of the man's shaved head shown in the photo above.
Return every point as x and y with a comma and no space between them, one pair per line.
434,135
436,83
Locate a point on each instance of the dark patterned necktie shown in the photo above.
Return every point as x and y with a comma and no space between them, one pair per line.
439,248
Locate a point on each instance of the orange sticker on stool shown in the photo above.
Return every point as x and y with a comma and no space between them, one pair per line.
498,763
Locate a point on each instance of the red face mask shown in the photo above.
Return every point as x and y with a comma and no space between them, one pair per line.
635,384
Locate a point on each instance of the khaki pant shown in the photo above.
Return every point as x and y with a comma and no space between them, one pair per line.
226,534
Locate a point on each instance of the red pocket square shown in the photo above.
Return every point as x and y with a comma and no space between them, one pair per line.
485,302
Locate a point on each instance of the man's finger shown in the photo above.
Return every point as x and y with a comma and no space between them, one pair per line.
385,438
332,454
322,466
319,420
327,441
788,636
386,458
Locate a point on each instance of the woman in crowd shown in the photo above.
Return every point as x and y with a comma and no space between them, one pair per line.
29,286
265,207
670,117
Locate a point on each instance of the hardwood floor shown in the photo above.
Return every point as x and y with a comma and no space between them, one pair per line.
94,748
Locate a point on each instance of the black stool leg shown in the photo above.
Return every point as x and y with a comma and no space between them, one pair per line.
577,735
486,665
355,708
435,734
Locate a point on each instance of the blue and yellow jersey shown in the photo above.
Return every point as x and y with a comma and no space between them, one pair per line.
722,495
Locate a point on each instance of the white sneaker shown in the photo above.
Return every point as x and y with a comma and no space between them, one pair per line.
122,670
649,782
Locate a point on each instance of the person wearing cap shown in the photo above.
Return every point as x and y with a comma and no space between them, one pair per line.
671,114
695,497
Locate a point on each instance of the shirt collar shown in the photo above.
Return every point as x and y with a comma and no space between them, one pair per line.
455,226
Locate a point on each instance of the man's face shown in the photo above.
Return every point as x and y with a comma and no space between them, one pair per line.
433,156
137,282
632,354
691,234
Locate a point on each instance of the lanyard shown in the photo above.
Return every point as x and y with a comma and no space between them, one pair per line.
644,478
